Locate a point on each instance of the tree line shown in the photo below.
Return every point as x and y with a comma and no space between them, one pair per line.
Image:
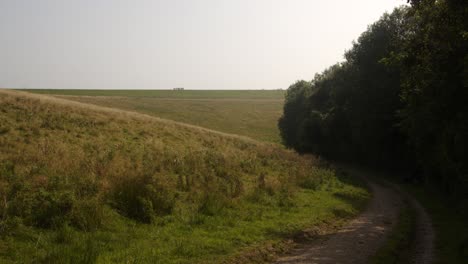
398,101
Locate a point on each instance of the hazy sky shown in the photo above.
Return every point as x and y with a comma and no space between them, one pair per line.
196,44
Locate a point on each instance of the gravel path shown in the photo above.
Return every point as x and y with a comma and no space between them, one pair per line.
363,236
423,250
424,244
360,238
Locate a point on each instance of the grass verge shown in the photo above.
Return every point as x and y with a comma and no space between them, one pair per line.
250,231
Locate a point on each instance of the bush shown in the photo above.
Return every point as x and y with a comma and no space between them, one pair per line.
51,209
212,203
9,225
286,197
311,179
142,198
50,204
87,214
286,192
310,182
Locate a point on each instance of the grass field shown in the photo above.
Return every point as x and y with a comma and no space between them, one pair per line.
250,113
190,94
85,184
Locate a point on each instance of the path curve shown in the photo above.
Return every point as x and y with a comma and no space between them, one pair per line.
360,238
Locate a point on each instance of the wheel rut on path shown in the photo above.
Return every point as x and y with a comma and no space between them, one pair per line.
424,237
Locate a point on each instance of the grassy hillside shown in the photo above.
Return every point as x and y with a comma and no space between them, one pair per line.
86,184
250,113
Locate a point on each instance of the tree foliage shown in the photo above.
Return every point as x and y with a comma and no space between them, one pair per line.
349,111
435,90
397,101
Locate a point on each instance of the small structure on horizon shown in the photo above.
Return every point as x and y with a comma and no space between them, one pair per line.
178,89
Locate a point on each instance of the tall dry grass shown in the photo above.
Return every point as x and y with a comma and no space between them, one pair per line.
68,163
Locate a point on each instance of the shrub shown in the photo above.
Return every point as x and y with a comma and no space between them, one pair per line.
51,208
212,203
87,214
309,182
50,204
142,198
286,192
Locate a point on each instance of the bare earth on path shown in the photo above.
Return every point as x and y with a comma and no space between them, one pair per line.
360,238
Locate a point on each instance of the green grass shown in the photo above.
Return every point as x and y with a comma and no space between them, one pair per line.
249,113
207,239
192,94
85,184
253,118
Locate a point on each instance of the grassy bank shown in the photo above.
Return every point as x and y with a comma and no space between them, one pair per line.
86,184
179,238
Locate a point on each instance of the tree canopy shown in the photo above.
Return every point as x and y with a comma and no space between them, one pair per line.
398,101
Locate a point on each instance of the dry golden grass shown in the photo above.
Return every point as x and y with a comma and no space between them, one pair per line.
58,145
68,166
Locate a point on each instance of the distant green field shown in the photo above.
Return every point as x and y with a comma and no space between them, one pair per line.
249,113
192,94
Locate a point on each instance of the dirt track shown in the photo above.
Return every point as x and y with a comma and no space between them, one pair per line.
362,237
424,249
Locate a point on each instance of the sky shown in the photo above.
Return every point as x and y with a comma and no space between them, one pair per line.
195,44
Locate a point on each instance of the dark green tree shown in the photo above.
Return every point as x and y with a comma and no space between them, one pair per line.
435,91
349,111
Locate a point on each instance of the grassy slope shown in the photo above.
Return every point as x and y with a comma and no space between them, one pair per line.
250,113
91,184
